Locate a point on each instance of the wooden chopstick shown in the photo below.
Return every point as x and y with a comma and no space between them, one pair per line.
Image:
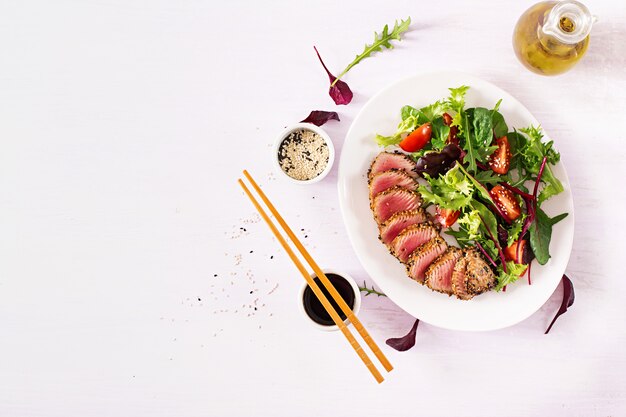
319,273
316,289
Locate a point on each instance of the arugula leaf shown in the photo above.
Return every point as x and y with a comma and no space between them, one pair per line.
440,132
482,191
552,185
462,237
470,155
541,233
512,274
515,229
532,152
381,41
452,190
487,177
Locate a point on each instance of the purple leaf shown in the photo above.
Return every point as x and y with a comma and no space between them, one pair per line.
568,299
435,163
405,342
339,92
319,117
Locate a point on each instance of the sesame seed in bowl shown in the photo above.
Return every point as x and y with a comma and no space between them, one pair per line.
304,153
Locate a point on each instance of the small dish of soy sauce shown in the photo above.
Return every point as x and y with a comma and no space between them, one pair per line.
313,309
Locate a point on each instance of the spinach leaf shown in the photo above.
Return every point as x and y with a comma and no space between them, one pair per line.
483,127
541,233
499,125
440,133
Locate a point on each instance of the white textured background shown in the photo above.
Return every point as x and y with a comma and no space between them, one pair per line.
125,278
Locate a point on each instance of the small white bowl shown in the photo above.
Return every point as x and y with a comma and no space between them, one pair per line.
357,299
313,128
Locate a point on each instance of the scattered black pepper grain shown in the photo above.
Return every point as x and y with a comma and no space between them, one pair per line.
272,257
251,251
305,236
251,292
199,299
255,308
214,275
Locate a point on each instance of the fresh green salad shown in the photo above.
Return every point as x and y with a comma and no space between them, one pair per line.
488,179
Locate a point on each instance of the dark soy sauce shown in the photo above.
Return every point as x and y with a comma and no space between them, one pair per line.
314,307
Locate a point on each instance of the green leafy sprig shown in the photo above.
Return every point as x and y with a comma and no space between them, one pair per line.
370,291
382,40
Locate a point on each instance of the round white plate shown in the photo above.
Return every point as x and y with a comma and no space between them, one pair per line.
490,311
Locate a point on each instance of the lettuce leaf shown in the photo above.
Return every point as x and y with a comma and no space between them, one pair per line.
452,190
512,274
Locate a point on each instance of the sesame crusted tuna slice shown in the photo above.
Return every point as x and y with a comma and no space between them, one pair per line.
479,275
439,273
423,256
410,239
392,201
387,160
391,178
472,275
400,221
459,282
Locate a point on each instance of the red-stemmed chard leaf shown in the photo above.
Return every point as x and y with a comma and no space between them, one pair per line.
320,117
406,342
568,299
339,90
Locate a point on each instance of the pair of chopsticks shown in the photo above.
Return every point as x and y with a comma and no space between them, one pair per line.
352,318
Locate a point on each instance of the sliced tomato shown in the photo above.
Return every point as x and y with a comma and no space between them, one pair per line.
506,201
446,217
515,252
418,138
500,160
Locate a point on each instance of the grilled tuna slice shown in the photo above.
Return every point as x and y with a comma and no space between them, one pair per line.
393,200
387,160
410,239
439,273
400,221
459,284
472,275
387,179
480,277
423,256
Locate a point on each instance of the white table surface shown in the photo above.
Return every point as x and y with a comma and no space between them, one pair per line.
127,287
